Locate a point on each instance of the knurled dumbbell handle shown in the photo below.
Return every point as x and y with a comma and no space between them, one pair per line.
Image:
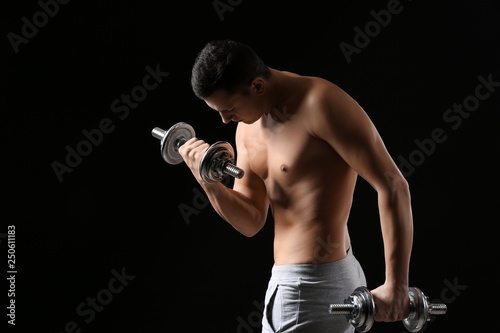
342,309
233,171
437,308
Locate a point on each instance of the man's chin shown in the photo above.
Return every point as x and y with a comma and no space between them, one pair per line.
248,122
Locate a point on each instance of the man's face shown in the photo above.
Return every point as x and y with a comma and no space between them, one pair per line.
244,107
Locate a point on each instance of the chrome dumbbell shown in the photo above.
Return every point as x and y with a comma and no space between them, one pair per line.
216,163
360,309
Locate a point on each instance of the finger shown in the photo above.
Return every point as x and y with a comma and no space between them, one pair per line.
198,151
190,141
197,144
185,145
189,145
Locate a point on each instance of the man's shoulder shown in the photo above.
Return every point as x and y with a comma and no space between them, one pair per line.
323,95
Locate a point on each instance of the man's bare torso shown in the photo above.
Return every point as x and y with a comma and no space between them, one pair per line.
302,141
309,186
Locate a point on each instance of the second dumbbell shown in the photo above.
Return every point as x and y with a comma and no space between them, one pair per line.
216,163
360,309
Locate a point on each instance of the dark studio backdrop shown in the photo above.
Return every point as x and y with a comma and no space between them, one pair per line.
110,238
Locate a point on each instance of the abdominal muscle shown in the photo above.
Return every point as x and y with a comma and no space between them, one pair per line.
311,228
314,245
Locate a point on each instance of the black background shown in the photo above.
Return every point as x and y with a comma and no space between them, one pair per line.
119,207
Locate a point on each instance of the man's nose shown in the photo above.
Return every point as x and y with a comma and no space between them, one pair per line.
225,119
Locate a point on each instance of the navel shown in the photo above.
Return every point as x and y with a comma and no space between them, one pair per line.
284,168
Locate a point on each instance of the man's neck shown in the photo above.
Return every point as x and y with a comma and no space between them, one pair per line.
279,90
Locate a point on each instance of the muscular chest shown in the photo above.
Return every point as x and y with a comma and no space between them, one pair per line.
284,153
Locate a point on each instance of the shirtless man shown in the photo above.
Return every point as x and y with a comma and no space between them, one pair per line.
302,142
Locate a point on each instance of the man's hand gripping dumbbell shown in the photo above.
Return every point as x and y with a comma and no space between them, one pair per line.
360,309
208,163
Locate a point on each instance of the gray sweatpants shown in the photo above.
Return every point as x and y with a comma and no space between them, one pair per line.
298,296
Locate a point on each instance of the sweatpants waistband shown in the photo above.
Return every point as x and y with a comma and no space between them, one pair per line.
296,271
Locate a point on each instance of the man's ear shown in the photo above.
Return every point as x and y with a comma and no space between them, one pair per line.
258,85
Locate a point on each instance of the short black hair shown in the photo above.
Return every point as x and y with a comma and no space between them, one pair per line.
228,65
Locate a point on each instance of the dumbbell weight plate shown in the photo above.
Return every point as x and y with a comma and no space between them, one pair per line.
175,137
419,311
212,162
364,318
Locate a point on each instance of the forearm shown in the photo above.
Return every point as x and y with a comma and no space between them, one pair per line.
235,208
397,232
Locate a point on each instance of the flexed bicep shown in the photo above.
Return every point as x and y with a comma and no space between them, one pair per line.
251,186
